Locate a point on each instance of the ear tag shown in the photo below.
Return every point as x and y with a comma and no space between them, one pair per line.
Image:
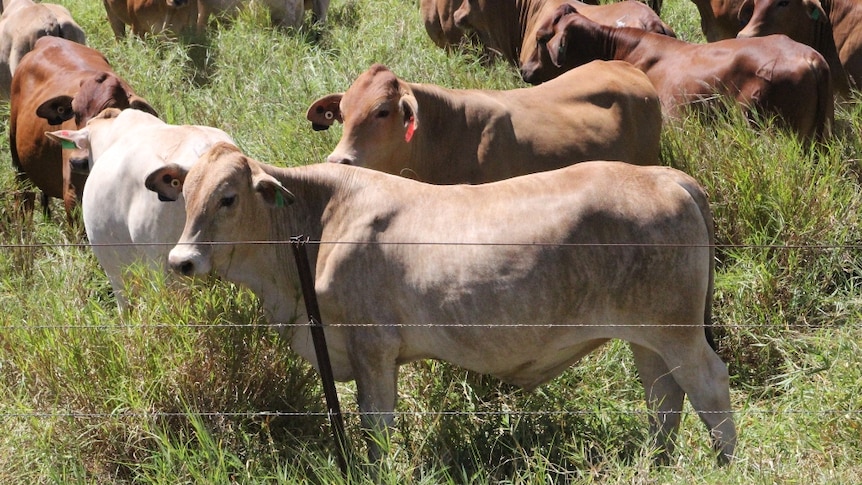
68,144
279,199
329,115
411,127
175,183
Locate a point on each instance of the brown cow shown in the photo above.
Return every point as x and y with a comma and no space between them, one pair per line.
720,19
767,74
602,111
833,27
439,23
60,84
21,24
509,27
170,17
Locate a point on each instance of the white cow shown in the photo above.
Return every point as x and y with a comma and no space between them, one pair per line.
284,13
518,279
21,24
118,211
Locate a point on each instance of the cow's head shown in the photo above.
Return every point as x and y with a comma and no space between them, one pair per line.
95,94
574,40
538,66
380,116
225,194
801,20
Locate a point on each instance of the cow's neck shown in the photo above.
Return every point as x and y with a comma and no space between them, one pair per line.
635,46
438,153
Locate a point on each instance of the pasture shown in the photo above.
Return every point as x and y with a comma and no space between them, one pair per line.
193,386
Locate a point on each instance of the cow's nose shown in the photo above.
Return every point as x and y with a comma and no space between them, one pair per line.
184,267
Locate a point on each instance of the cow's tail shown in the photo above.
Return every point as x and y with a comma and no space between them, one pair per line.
699,196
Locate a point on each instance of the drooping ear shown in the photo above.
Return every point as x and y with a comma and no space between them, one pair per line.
273,193
138,103
325,111
167,181
56,110
71,139
410,108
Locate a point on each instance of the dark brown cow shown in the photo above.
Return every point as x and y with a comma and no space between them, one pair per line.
60,84
767,74
509,27
833,27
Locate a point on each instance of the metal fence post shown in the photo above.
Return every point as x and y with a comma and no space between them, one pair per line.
336,420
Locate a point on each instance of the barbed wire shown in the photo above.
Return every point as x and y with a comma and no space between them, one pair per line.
824,246
847,413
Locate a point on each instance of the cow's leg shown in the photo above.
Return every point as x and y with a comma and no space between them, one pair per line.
703,376
664,399
376,373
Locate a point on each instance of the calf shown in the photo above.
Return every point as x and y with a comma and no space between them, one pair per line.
121,216
22,23
763,74
518,279
509,26
604,110
833,27
60,84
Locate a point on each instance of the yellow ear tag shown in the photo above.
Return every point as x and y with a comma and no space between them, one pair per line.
279,199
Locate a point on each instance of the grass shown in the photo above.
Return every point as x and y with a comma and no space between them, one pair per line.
178,389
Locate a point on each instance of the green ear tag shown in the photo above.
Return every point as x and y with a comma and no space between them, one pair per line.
815,14
68,144
279,199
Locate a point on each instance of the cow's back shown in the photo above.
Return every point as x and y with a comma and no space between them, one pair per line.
603,110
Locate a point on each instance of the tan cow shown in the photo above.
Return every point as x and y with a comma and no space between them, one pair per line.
833,27
765,74
509,27
21,24
518,279
439,23
602,111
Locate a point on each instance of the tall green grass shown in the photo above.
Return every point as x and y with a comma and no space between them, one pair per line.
176,390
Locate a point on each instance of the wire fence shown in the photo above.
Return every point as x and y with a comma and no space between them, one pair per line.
848,413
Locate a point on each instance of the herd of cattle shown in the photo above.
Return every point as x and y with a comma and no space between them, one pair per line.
605,249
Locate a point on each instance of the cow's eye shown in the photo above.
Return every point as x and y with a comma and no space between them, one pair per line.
383,113
227,201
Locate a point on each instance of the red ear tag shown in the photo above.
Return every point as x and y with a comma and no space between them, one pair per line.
410,128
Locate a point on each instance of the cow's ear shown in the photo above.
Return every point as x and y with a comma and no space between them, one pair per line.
71,139
138,103
167,181
325,111
56,110
273,193
816,12
410,109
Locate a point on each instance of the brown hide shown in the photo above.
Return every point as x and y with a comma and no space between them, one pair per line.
764,73
60,85
170,17
833,28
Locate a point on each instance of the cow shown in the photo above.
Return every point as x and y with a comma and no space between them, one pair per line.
126,223
509,26
60,84
832,27
720,19
283,13
21,24
762,74
439,24
604,110
145,17
518,279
